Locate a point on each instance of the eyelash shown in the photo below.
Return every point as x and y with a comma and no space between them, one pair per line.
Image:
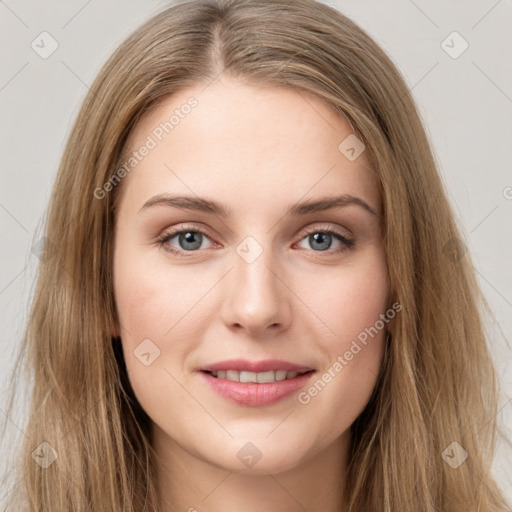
347,243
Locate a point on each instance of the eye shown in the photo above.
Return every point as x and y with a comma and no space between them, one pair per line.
188,240
321,240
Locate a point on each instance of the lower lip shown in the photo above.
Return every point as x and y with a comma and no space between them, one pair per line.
254,394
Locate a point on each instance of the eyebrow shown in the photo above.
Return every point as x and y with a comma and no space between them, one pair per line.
201,204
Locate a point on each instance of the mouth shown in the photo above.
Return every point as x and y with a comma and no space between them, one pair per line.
256,377
255,383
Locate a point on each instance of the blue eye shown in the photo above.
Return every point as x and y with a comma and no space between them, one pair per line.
322,240
190,240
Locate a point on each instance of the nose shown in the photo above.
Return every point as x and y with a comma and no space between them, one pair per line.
257,296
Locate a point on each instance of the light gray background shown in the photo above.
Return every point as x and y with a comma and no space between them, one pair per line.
466,104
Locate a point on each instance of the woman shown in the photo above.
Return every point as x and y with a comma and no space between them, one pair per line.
256,296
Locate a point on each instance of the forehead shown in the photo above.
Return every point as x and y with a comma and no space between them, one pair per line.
250,145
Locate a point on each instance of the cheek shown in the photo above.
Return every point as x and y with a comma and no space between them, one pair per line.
152,299
156,308
352,309
350,299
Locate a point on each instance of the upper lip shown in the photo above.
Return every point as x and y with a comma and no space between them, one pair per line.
255,366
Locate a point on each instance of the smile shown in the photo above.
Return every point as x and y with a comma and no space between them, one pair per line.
244,389
260,377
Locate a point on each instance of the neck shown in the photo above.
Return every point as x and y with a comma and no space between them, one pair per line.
188,483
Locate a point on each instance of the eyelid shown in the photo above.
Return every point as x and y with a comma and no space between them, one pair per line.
345,238
326,227
181,228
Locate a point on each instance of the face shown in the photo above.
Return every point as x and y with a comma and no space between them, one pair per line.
244,270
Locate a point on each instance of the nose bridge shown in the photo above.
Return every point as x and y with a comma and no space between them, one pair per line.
257,299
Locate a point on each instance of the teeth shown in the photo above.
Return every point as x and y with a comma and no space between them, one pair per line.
281,374
261,377
269,376
248,377
233,375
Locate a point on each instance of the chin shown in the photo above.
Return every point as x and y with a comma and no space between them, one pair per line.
257,458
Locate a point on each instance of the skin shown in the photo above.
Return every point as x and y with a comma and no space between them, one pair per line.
256,150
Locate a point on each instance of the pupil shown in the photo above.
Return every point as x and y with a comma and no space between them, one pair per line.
321,238
188,238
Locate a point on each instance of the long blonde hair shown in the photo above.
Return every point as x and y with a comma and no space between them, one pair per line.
437,384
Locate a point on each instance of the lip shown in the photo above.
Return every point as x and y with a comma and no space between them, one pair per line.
255,366
252,394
